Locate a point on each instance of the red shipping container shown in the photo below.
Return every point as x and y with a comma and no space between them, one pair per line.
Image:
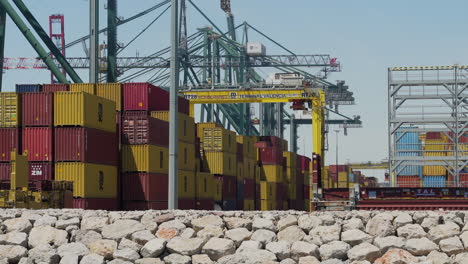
110,204
187,204
229,186
240,153
463,179
40,185
118,122
305,163
434,135
273,140
145,186
249,189
205,204
5,171
183,105
41,171
183,204
409,181
145,97
272,156
139,128
57,87
86,145
338,168
262,144
38,109
38,141
306,192
9,139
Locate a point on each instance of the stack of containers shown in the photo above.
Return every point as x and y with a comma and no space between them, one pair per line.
220,159
86,148
10,130
290,178
240,191
300,183
326,177
435,145
408,144
249,156
341,173
272,187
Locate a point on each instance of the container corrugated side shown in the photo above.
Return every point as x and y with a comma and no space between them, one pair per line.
28,88
144,97
222,163
38,109
249,205
218,189
83,87
186,125
145,158
435,181
145,186
84,109
201,126
186,156
290,175
248,148
38,142
240,171
204,185
108,204
10,109
407,141
269,190
270,156
219,139
186,184
139,128
41,171
10,138
249,168
111,91
272,173
409,170
268,205
290,159
5,171
89,180
56,87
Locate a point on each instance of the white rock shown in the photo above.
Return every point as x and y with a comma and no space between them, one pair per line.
353,223
263,236
281,249
302,249
327,220
411,231
46,220
216,248
451,246
119,261
380,227
74,248
364,251
440,232
419,216
210,231
288,261
92,259
149,261
173,224
436,257
94,223
402,219
200,223
85,237
326,234
121,228
201,259
153,248
47,235
429,223
355,237
62,224
234,258
259,256
238,235
385,243
188,233
396,256
69,259
43,254
142,237
461,258
420,246
177,259
14,238
18,225
262,223
126,254
291,234
334,250
13,253
149,221
332,261
309,260
287,221
249,245
103,247
127,243
308,222
237,222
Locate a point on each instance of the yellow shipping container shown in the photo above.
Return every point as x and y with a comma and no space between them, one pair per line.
258,173
248,148
10,110
290,159
83,87
249,205
187,156
268,205
197,165
186,184
84,109
292,191
145,158
285,206
111,91
249,168
218,190
205,186
342,184
307,179
221,163
186,125
290,174
89,180
351,184
201,126
343,176
307,205
272,173
435,170
240,171
219,139
268,190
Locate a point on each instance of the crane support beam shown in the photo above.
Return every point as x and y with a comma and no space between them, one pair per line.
112,41
93,41
41,52
2,40
47,41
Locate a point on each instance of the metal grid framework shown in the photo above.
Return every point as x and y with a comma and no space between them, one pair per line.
428,99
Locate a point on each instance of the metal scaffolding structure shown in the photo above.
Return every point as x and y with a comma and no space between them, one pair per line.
422,100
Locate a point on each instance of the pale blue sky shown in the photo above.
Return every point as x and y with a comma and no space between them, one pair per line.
366,35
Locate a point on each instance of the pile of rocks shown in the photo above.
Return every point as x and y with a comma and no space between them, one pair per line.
199,237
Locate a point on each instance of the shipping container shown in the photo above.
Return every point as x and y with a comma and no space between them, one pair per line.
229,186
186,184
229,205
307,205
463,179
5,171
88,145
291,159
221,163
290,174
292,191
270,190
205,204
249,168
139,128
240,171
109,204
407,141
145,97
28,88
84,109
273,140
56,87
219,139
409,170
186,160
204,186
89,180
240,191
218,188
268,205
83,87
41,171
239,153
249,205
271,173
183,204
9,140
201,126
434,170
249,189
186,125
145,158
111,91
435,181
270,156
145,186
10,110
38,109
38,142
248,148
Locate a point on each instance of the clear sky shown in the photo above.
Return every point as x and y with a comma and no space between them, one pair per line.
366,35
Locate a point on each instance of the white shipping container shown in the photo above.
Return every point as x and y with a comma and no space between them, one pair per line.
255,49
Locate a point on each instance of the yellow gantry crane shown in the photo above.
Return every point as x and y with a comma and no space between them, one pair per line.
315,98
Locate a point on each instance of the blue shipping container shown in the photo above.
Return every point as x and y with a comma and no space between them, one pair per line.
28,88
410,170
407,140
434,181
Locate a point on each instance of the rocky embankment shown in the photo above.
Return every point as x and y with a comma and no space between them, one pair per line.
147,237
